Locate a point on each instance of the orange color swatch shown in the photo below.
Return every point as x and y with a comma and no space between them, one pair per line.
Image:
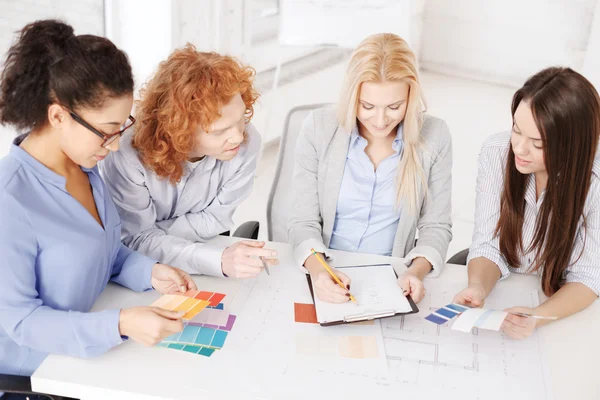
213,298
305,313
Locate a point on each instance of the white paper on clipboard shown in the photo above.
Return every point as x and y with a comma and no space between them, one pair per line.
377,292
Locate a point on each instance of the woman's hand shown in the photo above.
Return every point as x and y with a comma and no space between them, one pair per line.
149,325
518,327
171,280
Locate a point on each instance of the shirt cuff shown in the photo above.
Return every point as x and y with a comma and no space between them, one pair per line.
113,334
304,250
208,259
431,255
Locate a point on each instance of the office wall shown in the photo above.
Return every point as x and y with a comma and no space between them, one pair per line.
86,16
504,41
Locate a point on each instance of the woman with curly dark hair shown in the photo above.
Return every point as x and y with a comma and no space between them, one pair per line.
189,163
60,231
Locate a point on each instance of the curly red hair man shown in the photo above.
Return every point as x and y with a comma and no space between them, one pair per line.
190,162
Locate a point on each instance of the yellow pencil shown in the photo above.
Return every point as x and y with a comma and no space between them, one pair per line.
335,278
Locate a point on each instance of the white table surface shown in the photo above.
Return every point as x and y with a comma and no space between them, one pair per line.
243,368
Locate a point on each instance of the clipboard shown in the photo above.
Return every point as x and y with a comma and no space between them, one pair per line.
408,306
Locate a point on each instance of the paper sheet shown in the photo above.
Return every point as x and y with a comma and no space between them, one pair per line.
376,291
478,364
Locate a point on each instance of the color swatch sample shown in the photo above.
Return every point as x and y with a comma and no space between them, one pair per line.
316,346
357,347
305,313
468,318
213,298
211,317
199,336
207,327
226,327
446,313
174,302
479,318
204,351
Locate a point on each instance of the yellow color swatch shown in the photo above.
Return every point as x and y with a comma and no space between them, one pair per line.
174,302
195,310
187,305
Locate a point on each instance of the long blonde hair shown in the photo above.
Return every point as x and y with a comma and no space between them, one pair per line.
387,57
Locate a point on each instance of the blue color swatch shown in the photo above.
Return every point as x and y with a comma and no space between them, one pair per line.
205,336
457,307
435,319
446,313
219,339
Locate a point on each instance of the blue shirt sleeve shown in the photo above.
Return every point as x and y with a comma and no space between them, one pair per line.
23,315
133,269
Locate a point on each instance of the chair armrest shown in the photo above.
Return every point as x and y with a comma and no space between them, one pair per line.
459,258
14,383
248,230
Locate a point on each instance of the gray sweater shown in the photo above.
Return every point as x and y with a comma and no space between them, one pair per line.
319,167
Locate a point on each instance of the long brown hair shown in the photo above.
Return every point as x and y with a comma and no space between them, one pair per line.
566,110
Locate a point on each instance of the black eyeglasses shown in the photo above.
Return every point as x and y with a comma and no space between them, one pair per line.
108,139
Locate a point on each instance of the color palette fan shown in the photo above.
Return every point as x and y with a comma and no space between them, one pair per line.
468,318
207,324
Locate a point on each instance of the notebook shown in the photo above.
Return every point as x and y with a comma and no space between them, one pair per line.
376,290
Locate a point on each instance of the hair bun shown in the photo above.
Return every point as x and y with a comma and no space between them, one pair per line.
49,34
51,29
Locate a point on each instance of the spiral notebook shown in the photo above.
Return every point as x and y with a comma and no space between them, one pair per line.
376,290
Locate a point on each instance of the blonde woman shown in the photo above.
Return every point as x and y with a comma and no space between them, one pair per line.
372,174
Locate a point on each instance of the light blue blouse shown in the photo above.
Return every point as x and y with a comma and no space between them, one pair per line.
366,217
56,260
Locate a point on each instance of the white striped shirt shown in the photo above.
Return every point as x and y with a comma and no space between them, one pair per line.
490,182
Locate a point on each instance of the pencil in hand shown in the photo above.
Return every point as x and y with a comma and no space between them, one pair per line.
333,275
265,266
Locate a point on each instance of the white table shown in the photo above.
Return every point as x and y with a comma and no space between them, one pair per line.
251,362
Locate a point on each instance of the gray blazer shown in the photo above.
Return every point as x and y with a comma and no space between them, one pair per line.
320,160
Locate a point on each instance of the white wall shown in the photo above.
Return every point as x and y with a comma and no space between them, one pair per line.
345,23
86,16
149,30
591,64
504,41
143,31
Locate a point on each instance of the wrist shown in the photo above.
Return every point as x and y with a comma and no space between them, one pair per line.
152,271
477,285
419,268
223,263
312,265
